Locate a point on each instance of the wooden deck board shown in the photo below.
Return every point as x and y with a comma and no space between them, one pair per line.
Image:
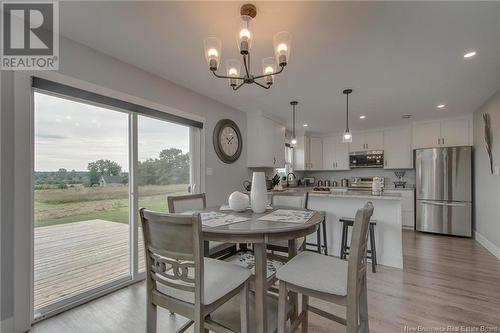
75,257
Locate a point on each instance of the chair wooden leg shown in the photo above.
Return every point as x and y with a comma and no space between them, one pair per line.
199,322
282,307
305,306
363,308
325,242
343,242
318,240
151,318
244,309
373,248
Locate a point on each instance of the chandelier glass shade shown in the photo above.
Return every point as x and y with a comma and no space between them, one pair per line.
238,75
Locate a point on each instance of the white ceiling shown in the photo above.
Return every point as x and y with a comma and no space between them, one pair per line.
399,57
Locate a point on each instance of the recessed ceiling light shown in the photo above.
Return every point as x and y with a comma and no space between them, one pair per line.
441,106
305,125
470,54
362,117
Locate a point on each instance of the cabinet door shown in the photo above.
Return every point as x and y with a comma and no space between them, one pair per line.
397,148
341,153
301,153
358,142
426,135
374,140
267,136
316,153
455,132
329,157
279,149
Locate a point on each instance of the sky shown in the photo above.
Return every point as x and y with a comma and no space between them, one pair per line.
70,134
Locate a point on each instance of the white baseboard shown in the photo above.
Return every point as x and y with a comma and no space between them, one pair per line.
495,250
7,325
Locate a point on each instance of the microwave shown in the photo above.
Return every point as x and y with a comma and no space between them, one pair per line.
367,159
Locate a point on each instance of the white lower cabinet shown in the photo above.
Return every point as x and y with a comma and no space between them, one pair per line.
407,206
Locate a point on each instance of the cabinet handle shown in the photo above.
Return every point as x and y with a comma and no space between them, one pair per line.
274,162
439,141
442,139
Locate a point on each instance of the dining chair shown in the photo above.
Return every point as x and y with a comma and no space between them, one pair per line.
288,201
330,279
181,280
195,202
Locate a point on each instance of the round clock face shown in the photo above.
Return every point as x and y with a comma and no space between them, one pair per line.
227,141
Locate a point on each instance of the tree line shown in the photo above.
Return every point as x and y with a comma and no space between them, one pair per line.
170,167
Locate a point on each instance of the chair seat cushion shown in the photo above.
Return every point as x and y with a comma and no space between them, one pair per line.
220,278
316,272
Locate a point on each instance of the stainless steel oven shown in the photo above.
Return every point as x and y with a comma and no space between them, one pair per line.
367,159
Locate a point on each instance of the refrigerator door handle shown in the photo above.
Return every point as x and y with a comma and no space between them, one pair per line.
451,204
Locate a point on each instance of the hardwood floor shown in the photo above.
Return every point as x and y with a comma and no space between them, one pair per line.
446,281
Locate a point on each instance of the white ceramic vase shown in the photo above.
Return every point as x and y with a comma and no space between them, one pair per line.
238,201
258,194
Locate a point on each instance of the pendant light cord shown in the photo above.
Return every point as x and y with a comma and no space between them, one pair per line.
293,120
347,113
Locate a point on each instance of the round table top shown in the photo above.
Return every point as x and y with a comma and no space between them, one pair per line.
256,230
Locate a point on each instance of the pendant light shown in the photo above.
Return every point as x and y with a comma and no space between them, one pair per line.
294,138
347,137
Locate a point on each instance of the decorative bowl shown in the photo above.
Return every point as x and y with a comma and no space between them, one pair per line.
238,201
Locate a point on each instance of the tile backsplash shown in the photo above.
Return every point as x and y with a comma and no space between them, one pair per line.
389,176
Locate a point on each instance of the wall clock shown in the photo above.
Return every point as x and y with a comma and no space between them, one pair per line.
228,142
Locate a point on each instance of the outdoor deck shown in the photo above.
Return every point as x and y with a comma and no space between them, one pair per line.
74,257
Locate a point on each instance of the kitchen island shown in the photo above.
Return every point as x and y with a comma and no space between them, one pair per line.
343,203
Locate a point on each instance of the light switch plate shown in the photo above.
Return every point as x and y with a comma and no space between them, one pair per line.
210,171
495,170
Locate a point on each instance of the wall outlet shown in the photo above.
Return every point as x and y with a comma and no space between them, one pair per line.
210,171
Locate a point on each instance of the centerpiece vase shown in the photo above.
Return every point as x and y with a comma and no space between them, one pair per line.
258,193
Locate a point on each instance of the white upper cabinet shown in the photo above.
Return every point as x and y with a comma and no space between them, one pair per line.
455,132
443,133
397,148
301,153
369,140
426,134
335,153
279,149
329,152
316,153
265,142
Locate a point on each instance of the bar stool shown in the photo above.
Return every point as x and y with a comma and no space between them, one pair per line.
318,244
344,248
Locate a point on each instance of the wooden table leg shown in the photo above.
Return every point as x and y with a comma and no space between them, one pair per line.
294,299
260,287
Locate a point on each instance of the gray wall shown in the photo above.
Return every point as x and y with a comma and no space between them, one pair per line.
85,64
487,186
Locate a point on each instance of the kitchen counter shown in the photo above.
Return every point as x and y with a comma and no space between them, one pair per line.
357,195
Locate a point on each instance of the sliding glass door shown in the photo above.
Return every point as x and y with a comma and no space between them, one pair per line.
94,166
163,167
81,193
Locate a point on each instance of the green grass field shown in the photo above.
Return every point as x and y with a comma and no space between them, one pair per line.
59,206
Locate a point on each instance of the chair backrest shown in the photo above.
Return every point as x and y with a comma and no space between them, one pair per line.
357,253
174,251
290,200
183,203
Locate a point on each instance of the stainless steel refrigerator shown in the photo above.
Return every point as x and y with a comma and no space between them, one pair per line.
444,190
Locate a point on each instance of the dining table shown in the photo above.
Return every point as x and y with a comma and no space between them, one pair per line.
259,233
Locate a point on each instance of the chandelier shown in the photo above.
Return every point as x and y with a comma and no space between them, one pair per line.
213,48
